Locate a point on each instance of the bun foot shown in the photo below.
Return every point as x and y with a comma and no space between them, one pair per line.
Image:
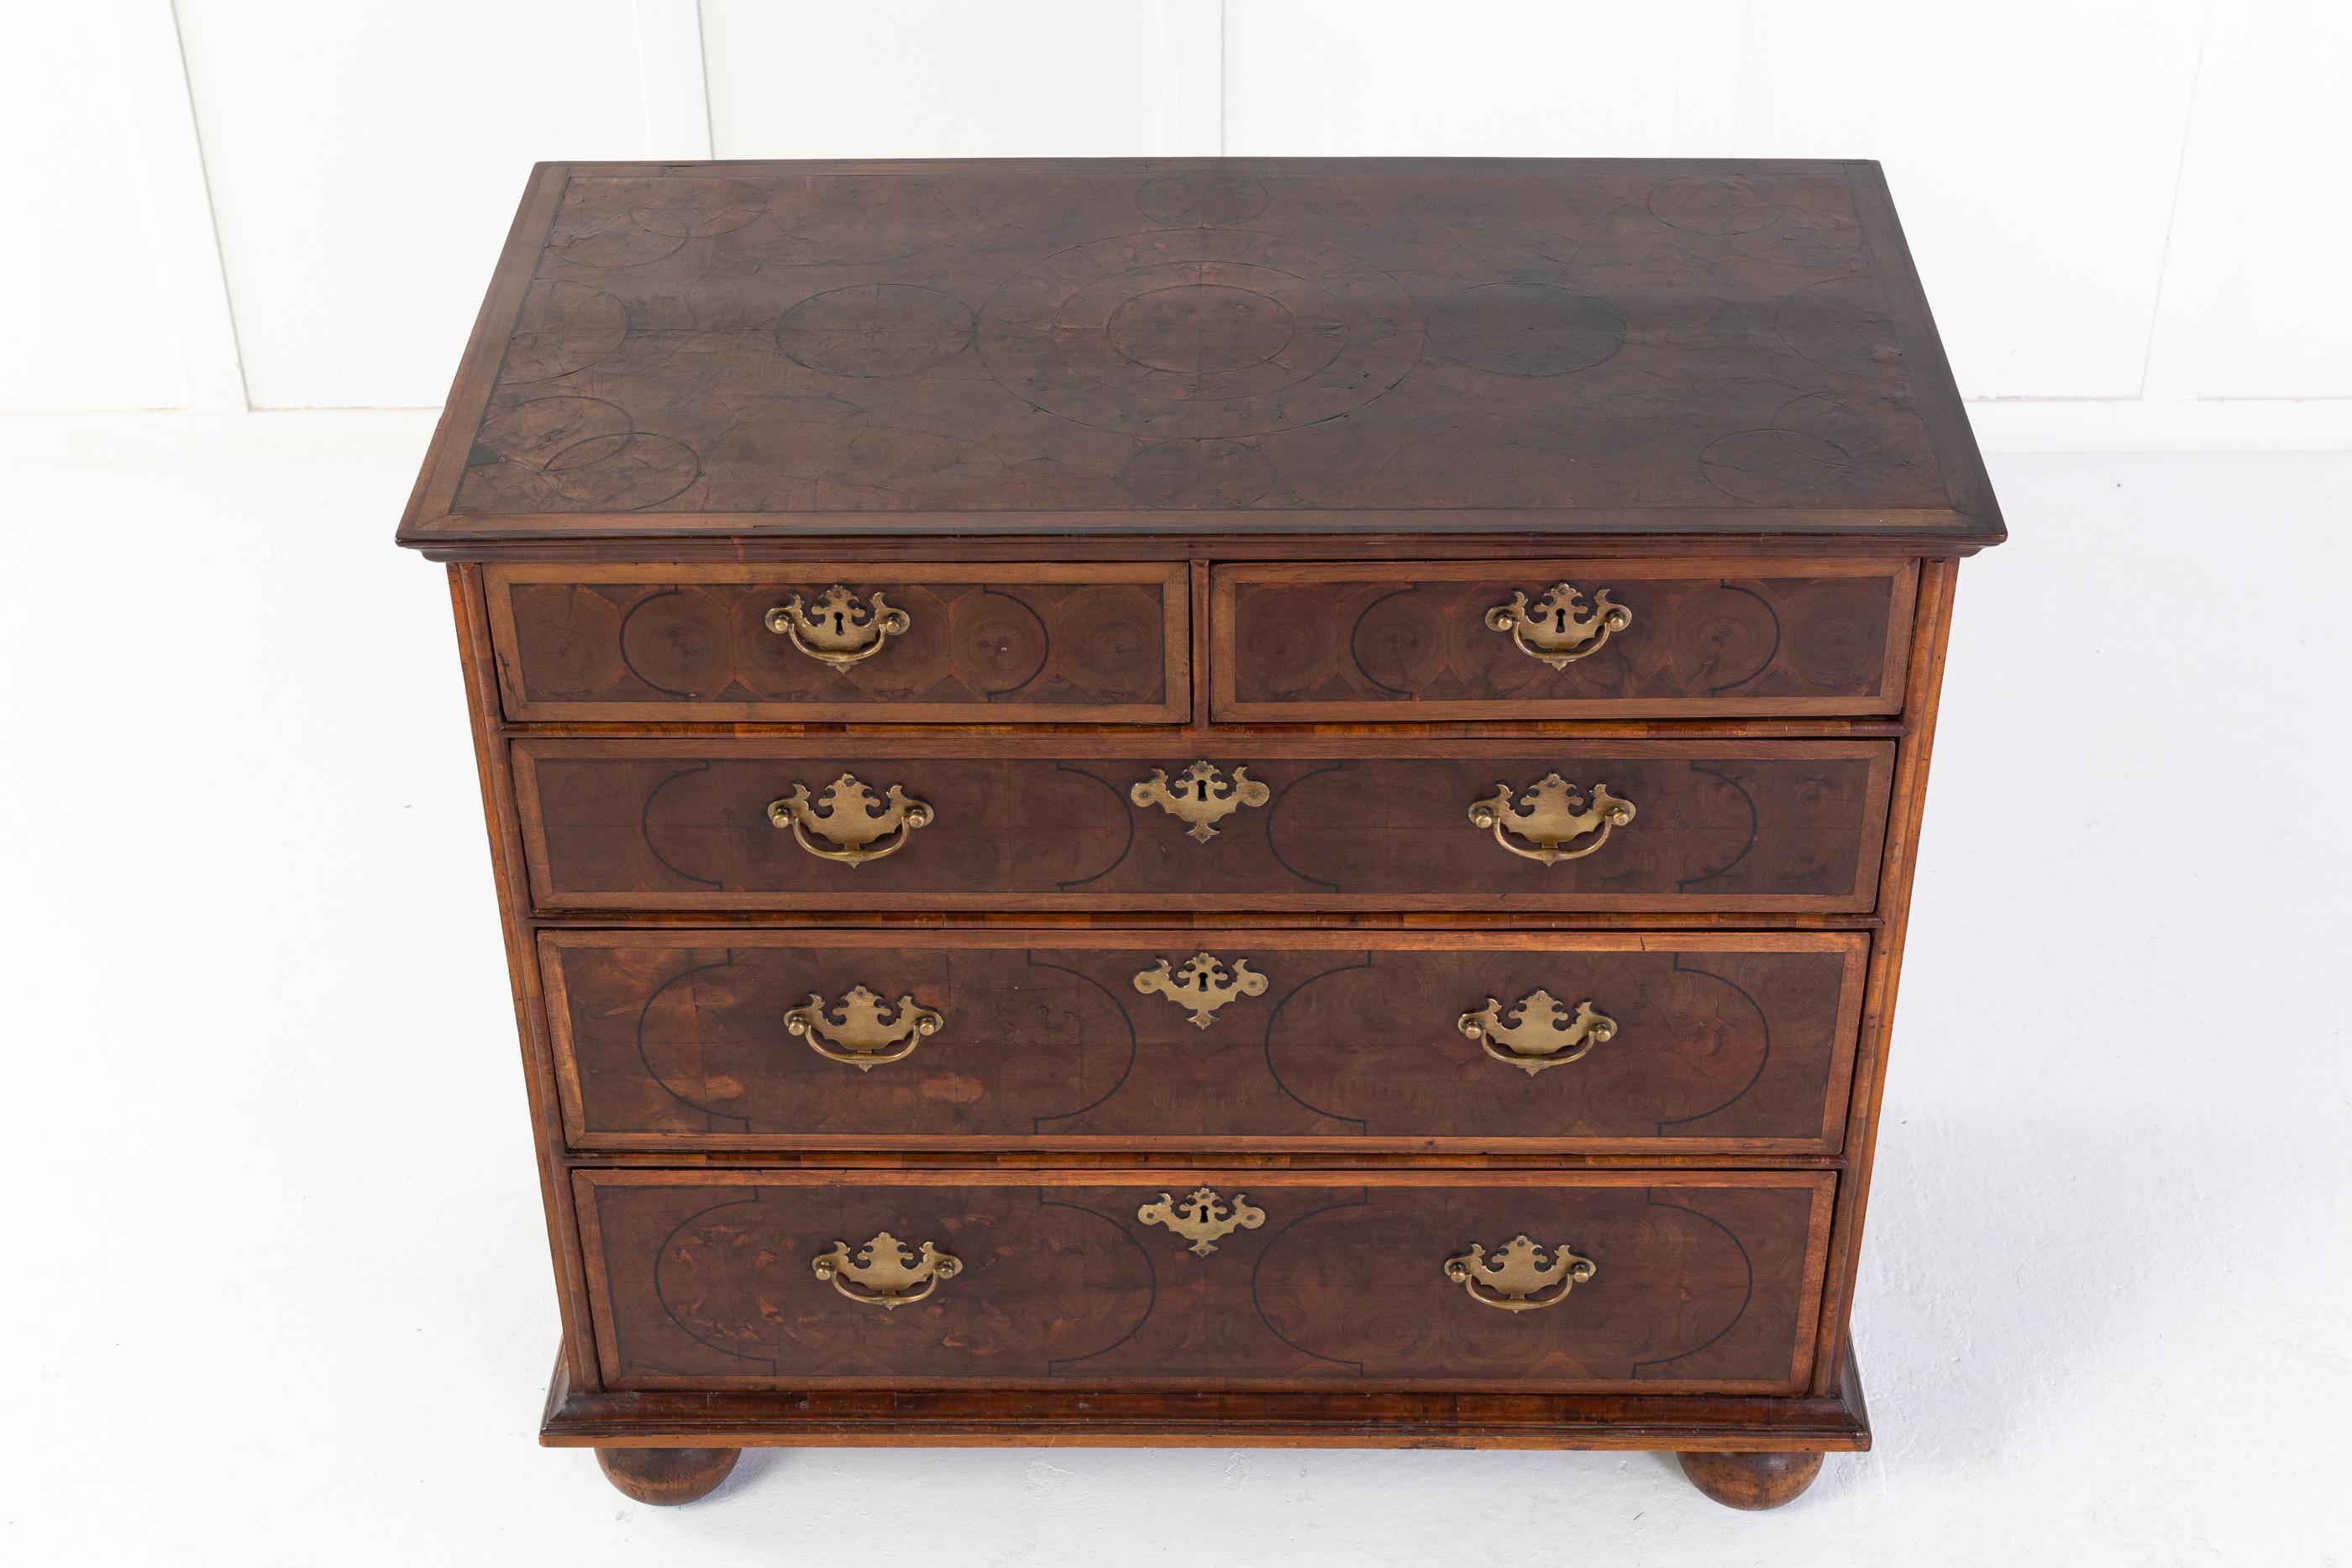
665,1476
1752,1480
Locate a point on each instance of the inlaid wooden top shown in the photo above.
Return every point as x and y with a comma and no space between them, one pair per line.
1225,347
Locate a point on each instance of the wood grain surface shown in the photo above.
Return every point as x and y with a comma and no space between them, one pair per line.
1703,1281
1727,1044
1102,643
1412,642
1327,1417
1048,823
1247,450
756,349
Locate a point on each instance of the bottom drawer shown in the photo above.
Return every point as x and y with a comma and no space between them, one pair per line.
1541,1280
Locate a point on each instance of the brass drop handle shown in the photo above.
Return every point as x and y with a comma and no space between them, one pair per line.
1201,796
841,631
1518,1277
883,1273
851,819
1540,1033
1548,817
1559,628
860,1031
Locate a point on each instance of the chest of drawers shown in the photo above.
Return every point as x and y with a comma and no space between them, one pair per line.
1232,802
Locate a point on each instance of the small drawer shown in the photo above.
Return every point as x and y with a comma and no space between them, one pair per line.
1560,639
1082,644
870,824
1588,1042
1633,1281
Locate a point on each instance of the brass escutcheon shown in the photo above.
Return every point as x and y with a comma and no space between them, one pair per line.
1201,1217
863,1034
1554,814
1200,794
886,1274
1541,1034
842,630
1202,985
1516,1278
1559,628
850,819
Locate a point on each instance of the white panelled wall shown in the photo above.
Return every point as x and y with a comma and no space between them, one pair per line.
2121,207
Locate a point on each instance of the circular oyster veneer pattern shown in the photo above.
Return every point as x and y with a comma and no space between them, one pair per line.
1201,333
1198,474
852,220
573,454
874,330
1714,204
632,223
1202,329
1837,324
1526,328
1201,199
562,326
1764,466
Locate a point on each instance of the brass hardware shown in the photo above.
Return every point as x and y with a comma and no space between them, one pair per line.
1556,813
883,1268
1536,1037
862,1035
1202,985
1559,628
1200,796
842,630
850,819
1201,1217
1515,1277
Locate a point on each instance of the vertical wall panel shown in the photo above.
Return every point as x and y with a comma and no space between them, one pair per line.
1524,79
89,314
933,79
366,159
2276,326
2032,146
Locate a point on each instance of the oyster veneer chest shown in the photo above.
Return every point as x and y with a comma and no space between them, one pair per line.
1212,802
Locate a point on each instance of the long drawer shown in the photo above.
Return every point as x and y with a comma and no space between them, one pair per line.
870,824
1087,643
1546,1041
1545,1281
1562,639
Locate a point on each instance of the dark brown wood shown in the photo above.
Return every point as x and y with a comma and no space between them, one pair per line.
1704,1280
1707,637
1938,581
667,1477
522,968
1044,407
1269,1418
1726,1044
1752,1480
1046,824
1071,645
1552,347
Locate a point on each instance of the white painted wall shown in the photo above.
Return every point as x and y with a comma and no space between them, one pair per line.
2128,210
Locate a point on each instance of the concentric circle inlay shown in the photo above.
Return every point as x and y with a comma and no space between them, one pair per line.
1201,333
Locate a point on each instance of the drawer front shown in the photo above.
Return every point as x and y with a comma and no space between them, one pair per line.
1011,823
1567,1041
1635,1281
1489,640
1088,644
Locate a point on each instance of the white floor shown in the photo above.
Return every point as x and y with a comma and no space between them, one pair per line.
279,1291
